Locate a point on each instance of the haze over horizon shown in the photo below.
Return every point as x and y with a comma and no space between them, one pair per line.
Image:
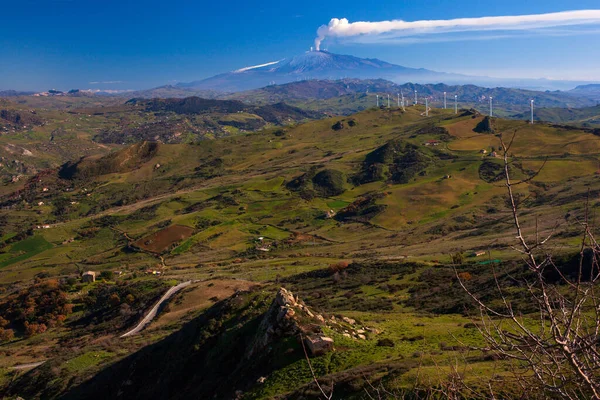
69,44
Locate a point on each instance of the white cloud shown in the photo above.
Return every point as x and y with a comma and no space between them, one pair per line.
386,31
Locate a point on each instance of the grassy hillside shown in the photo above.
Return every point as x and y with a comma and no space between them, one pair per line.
347,96
586,117
361,216
65,128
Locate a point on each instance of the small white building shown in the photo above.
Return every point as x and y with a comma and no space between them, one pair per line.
88,277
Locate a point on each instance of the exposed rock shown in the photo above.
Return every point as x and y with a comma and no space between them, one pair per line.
285,298
363,337
278,321
262,379
349,320
318,345
320,318
330,214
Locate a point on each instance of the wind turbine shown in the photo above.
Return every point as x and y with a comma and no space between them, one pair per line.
388,101
426,108
491,109
444,100
531,111
455,104
416,100
398,100
377,100
402,94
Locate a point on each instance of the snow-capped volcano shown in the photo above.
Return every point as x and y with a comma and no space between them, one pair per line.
313,65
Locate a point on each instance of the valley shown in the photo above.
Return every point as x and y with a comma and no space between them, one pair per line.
363,217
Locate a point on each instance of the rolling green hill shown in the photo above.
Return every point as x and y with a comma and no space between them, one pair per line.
347,96
587,116
363,217
64,128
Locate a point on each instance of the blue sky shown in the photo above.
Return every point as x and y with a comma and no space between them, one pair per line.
141,44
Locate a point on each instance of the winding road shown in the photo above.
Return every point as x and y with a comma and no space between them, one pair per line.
29,366
154,310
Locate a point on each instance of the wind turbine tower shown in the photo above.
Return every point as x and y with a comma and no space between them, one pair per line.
377,100
491,109
402,94
531,111
416,100
455,104
426,108
444,100
388,101
398,100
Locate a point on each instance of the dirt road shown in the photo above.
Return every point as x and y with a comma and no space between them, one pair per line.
154,310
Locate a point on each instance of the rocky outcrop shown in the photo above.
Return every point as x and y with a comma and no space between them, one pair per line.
318,345
288,316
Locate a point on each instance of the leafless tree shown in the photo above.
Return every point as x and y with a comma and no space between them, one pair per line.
557,348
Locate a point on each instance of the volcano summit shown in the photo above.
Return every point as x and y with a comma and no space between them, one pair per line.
315,65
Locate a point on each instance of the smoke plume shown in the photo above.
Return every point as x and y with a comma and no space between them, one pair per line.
398,28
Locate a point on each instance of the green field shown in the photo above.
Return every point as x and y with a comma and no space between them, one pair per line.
256,211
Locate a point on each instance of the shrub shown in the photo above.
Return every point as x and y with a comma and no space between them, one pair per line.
6,335
338,126
106,275
465,276
385,343
337,267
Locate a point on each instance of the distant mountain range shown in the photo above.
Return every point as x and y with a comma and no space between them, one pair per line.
14,93
325,65
590,91
472,94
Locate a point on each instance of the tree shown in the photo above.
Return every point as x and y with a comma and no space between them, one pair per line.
106,275
559,346
114,300
6,335
129,299
458,258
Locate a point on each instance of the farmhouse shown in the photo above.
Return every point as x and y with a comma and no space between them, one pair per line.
432,143
88,277
479,253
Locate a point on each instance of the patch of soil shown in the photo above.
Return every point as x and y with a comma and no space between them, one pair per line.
162,240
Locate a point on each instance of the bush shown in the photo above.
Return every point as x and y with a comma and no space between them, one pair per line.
338,126
35,308
106,275
385,343
337,267
6,335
